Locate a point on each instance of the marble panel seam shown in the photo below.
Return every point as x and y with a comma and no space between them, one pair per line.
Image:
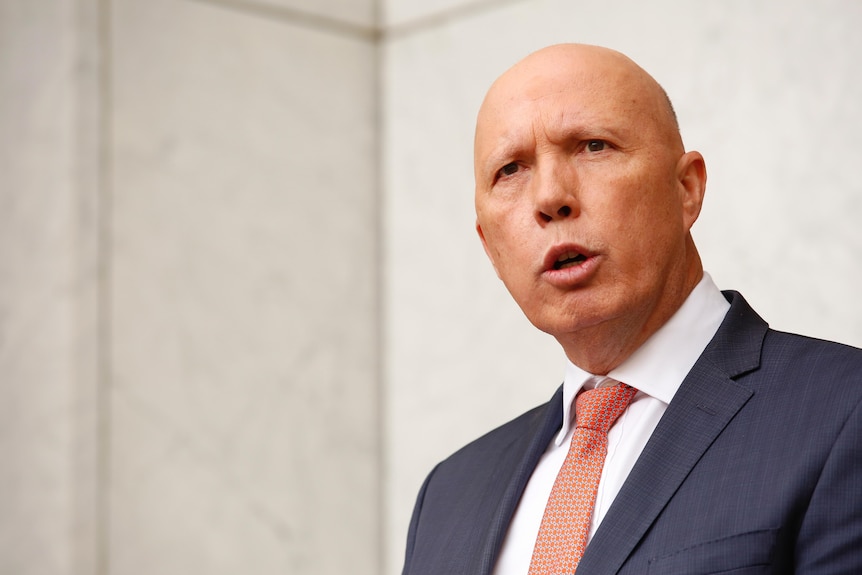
299,18
443,17
374,34
104,293
379,299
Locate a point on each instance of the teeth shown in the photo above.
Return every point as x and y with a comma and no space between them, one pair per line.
569,259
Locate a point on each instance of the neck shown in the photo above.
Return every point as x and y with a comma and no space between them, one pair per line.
603,347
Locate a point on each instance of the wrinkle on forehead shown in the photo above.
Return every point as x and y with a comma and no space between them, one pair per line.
522,129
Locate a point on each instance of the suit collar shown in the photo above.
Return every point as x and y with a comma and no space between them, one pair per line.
737,345
706,402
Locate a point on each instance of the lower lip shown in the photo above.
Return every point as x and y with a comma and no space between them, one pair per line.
573,276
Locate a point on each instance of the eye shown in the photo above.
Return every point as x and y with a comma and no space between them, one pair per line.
596,145
508,169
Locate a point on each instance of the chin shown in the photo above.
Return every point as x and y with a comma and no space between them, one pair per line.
562,324
567,320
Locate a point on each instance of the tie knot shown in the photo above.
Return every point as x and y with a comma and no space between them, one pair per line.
599,408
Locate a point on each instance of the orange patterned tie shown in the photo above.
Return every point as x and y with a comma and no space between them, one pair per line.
563,534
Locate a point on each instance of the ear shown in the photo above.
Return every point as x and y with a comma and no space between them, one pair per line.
691,176
485,247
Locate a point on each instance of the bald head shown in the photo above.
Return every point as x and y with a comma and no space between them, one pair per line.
600,72
585,197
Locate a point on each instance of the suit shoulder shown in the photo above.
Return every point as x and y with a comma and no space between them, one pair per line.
811,370
794,349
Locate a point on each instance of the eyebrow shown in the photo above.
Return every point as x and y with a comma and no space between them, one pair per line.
500,155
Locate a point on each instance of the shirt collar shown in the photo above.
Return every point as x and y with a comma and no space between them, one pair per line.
657,367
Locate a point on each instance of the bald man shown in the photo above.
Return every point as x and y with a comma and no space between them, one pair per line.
732,448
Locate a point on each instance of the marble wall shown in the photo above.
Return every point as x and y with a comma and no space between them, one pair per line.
244,344
221,413
243,309
49,206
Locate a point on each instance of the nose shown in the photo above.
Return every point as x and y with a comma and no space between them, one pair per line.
555,193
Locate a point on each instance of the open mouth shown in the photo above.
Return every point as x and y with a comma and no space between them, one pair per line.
568,260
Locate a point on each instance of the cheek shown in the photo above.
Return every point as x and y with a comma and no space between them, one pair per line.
508,245
501,246
642,208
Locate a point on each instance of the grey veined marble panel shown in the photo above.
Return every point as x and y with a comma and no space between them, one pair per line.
244,430
47,290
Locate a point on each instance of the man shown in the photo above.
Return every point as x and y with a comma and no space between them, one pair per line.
732,448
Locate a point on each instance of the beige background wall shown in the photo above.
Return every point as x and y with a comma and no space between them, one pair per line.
242,306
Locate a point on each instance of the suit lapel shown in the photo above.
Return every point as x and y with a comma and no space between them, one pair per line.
534,445
705,403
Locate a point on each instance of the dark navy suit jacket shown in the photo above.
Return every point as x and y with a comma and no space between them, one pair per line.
755,468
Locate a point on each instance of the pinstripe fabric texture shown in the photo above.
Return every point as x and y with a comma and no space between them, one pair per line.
562,536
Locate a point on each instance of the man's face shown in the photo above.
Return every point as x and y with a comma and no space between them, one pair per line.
581,195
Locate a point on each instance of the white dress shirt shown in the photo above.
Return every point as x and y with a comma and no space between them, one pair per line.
656,370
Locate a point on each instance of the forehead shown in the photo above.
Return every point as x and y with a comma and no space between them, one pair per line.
559,99
554,103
